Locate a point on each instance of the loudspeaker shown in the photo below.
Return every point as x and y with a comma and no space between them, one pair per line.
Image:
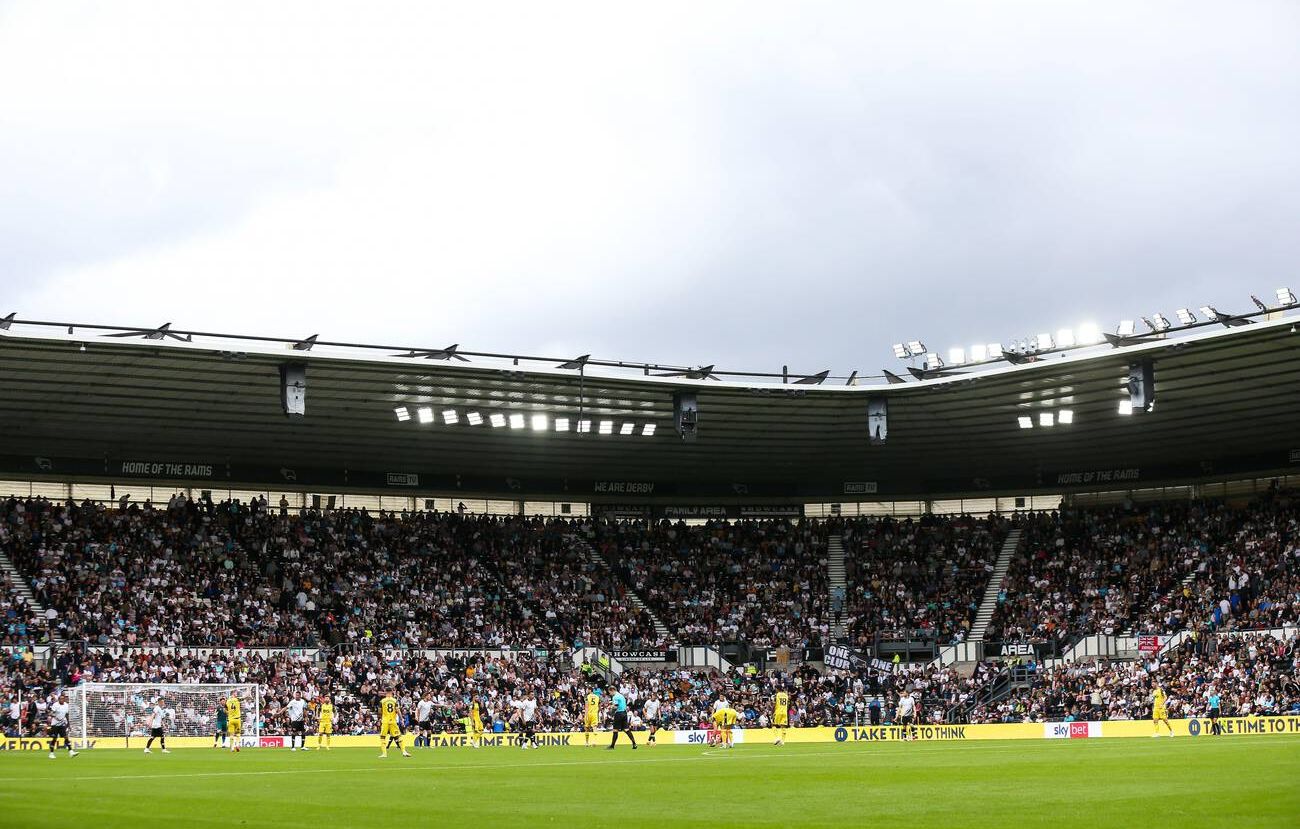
877,420
686,414
293,388
1142,385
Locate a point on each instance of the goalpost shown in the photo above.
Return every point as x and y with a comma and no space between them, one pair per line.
121,709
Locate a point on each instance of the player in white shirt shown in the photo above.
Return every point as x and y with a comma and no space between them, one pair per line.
157,724
650,713
907,715
296,710
423,712
59,725
526,717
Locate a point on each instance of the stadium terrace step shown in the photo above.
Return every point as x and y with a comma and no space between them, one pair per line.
23,588
593,555
990,601
837,588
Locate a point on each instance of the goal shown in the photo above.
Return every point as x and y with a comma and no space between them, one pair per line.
122,709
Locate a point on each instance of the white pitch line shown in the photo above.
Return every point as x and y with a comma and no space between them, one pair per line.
922,748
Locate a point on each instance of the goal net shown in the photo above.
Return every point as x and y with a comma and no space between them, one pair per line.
123,709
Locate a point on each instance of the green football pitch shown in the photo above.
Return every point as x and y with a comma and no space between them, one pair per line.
1230,781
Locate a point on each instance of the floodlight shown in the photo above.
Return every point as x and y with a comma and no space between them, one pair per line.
956,356
584,426
979,353
1126,407
497,420
450,417
1043,342
1089,334
607,427
1065,338
1045,419
1210,312
916,347
900,351
626,428
933,361
517,420
995,350
648,430
1185,317
1161,322
1285,297
1065,416
540,422
474,418
402,414
561,424
1025,421
1125,329
425,413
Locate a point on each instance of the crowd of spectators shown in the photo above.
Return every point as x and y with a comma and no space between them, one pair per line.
918,578
198,573
761,582
1253,674
1152,568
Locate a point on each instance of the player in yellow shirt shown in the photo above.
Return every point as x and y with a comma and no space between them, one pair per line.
390,731
590,716
780,715
234,722
725,719
324,723
475,724
1160,712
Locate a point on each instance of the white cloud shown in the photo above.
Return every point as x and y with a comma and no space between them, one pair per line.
741,183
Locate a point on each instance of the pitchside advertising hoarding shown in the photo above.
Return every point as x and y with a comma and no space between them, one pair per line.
1188,728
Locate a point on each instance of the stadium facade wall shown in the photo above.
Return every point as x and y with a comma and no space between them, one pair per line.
1234,726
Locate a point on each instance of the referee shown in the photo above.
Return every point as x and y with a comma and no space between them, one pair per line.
620,720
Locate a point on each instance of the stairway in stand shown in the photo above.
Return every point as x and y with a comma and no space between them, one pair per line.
835,582
990,603
594,556
24,589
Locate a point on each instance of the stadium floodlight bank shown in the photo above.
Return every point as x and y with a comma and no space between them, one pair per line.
121,709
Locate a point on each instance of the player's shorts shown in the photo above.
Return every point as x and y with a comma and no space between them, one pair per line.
907,719
1214,713
620,721
476,726
297,726
155,732
589,723
1159,714
422,725
57,731
390,729
781,720
325,727
235,727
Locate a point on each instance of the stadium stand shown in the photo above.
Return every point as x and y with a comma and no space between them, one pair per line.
1154,568
918,578
761,582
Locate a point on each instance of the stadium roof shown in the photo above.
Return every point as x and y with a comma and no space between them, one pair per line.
86,402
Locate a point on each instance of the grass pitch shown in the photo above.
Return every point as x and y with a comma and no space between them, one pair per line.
1231,781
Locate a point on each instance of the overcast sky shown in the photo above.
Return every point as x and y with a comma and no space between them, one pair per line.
735,183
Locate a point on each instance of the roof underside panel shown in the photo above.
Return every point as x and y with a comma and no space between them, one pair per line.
1225,402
